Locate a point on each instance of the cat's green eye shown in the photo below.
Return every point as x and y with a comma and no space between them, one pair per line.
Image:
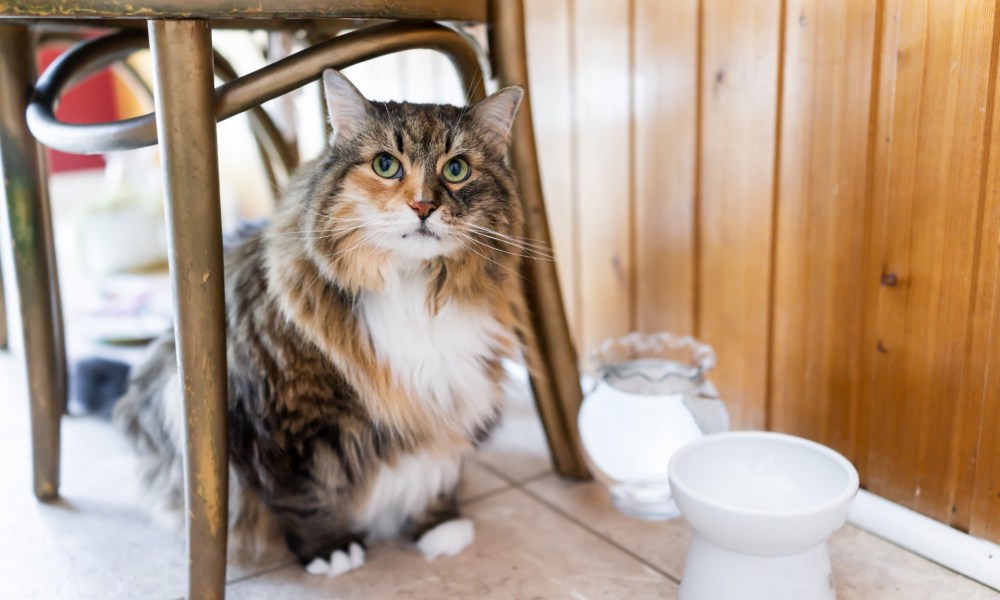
387,165
456,170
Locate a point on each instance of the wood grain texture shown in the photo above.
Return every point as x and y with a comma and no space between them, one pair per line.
821,220
455,10
549,67
665,57
982,375
926,193
739,84
603,168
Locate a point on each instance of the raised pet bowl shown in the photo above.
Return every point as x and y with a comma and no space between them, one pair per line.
763,506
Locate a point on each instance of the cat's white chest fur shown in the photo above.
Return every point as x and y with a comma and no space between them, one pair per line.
438,357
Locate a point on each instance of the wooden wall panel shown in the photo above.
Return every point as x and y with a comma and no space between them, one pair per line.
665,70
820,274
926,193
548,41
601,40
739,82
982,374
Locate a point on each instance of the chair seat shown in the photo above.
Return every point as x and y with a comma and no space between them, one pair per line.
437,10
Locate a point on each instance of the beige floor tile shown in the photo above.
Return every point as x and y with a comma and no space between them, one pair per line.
95,542
513,465
661,543
478,481
869,568
522,550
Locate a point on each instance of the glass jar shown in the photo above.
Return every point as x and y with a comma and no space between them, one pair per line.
648,397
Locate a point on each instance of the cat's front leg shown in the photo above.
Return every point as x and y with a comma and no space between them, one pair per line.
322,549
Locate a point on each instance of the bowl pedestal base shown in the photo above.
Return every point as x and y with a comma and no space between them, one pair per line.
716,573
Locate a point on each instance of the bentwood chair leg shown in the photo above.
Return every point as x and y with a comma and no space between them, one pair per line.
23,170
557,387
185,125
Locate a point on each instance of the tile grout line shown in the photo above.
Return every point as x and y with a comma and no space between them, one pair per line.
512,480
597,534
487,494
522,485
264,571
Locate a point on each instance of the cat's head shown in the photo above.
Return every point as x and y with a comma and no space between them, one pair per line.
416,181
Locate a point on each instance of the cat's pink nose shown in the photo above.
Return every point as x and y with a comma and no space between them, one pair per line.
423,209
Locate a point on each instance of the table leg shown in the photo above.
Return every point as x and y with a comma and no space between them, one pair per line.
30,222
557,388
182,58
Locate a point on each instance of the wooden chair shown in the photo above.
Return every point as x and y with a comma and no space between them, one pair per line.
187,108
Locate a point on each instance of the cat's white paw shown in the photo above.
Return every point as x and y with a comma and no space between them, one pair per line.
318,566
357,556
340,562
447,539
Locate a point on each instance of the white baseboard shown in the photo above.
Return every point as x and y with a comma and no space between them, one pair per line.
973,557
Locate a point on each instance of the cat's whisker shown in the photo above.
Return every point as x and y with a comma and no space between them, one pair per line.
468,99
527,239
527,251
526,254
530,242
511,240
531,251
317,234
371,235
320,234
483,256
290,198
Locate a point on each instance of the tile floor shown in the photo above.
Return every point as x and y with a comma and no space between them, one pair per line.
536,535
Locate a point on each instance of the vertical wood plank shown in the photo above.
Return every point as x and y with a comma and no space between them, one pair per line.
821,218
982,377
604,189
926,195
665,43
739,83
549,69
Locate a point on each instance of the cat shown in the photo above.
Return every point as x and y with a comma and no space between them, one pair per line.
367,325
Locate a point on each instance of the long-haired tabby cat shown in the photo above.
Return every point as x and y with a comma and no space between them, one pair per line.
366,325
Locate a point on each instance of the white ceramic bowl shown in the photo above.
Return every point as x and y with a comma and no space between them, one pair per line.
762,493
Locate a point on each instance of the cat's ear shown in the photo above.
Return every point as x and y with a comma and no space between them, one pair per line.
495,115
348,109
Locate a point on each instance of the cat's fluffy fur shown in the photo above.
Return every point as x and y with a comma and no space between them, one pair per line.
364,345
